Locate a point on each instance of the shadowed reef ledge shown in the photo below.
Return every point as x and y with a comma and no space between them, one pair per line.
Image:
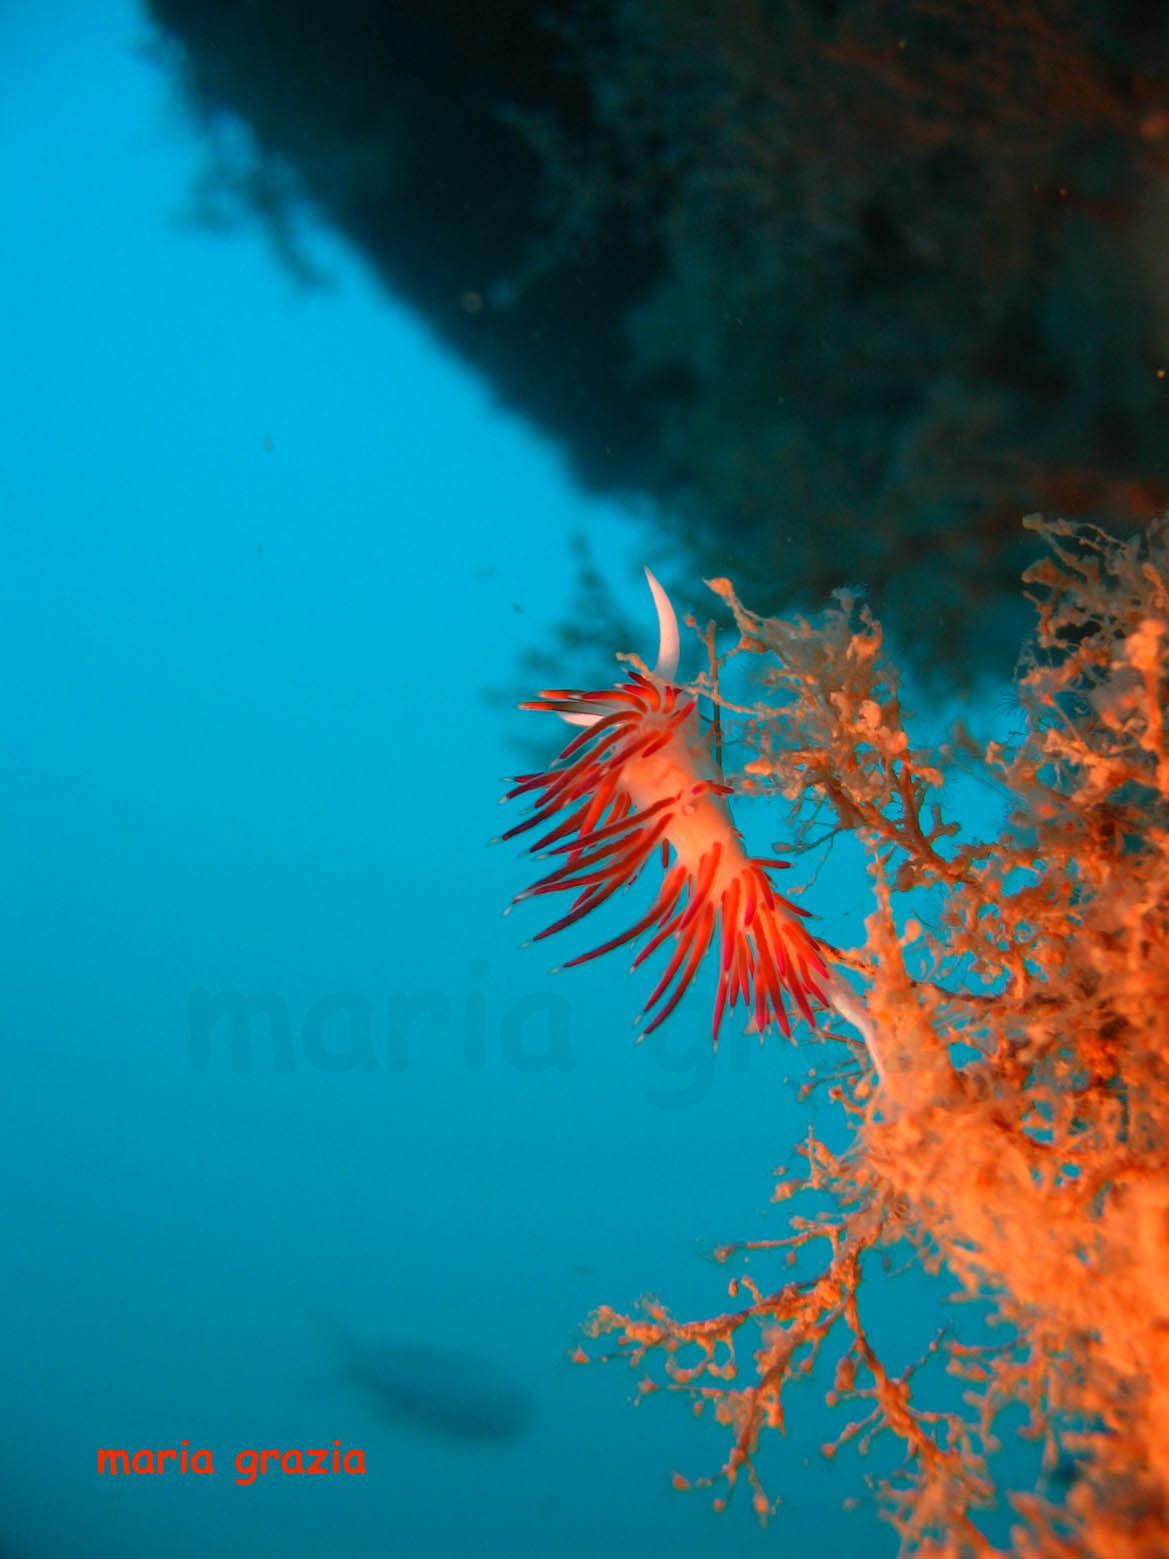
844,289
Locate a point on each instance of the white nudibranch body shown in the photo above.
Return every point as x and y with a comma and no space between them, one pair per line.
638,778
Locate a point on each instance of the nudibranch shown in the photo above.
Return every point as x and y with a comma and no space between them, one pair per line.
640,778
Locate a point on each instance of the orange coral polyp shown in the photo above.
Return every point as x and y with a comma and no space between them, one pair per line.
638,777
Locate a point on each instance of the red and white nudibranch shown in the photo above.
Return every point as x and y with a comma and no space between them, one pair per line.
638,778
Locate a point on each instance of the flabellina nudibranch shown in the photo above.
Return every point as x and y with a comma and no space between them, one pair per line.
640,778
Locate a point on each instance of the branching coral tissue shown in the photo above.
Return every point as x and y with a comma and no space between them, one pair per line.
1008,1113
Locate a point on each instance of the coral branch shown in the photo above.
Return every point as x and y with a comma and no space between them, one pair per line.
1019,1136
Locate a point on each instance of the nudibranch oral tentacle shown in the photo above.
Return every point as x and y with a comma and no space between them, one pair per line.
638,777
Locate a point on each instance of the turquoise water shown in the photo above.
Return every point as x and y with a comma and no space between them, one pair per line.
264,551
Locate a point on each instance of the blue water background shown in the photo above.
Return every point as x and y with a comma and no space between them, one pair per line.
263,551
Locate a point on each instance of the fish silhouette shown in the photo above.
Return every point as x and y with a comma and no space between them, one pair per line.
430,1387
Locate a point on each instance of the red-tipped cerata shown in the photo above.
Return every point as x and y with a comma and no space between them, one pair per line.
638,778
